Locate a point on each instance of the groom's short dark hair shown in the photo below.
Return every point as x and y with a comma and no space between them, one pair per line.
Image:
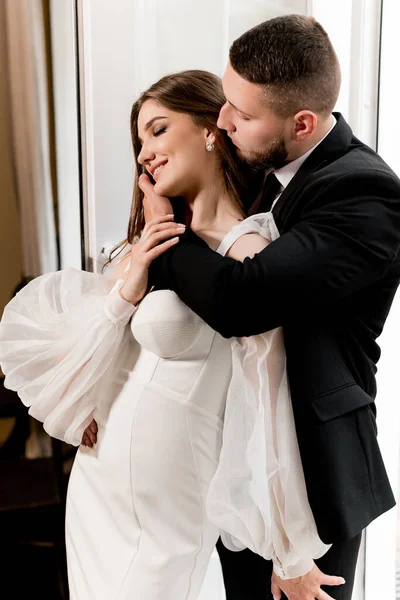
292,56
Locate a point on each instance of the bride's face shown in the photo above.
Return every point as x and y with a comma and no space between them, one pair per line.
173,150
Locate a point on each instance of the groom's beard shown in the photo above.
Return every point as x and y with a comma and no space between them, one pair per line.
272,156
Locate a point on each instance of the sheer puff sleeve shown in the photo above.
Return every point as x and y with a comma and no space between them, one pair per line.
59,336
258,496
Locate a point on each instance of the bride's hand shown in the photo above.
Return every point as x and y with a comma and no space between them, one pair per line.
149,247
89,437
154,205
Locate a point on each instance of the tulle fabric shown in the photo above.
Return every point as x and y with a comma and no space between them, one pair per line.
59,337
258,497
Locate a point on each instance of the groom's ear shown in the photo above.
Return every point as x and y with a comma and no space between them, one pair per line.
304,125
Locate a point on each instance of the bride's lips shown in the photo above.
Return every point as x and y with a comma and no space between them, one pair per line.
156,169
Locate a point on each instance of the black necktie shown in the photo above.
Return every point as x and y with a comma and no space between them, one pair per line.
271,188
266,196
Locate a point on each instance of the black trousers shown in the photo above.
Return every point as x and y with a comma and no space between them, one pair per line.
247,576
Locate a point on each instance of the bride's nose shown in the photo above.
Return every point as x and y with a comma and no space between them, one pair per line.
146,155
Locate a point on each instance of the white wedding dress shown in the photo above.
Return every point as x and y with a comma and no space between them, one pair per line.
146,505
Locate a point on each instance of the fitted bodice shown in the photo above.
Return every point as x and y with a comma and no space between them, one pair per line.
165,326
180,355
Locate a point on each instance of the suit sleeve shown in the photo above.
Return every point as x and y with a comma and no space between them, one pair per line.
346,237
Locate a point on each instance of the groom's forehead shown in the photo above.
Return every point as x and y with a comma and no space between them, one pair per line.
241,94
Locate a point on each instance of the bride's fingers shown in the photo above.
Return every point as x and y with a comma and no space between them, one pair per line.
92,436
93,426
145,183
158,227
157,220
151,244
147,188
155,238
86,441
160,248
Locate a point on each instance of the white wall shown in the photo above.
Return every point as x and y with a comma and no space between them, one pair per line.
354,29
122,52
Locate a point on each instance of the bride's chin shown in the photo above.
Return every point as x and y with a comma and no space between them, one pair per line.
160,190
164,189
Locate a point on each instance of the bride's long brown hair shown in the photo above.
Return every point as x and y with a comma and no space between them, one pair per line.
198,94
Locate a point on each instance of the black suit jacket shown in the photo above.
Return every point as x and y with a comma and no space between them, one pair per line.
329,280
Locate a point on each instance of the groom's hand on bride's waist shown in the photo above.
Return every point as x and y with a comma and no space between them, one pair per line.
154,205
306,587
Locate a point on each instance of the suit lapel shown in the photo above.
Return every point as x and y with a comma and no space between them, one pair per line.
331,148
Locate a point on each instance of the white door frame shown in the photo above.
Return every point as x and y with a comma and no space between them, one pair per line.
67,134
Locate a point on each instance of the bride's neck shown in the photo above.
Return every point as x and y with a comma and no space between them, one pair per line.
211,209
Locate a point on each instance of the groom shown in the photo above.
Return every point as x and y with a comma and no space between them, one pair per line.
329,280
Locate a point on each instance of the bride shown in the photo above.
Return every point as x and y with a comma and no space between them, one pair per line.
184,421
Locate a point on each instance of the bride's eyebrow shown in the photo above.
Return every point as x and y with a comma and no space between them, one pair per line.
150,123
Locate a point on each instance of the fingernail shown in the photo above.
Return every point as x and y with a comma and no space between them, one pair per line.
170,215
343,581
181,225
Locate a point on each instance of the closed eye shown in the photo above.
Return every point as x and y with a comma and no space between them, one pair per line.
159,131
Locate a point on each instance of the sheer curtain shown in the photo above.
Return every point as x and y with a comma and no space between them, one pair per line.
26,61
30,152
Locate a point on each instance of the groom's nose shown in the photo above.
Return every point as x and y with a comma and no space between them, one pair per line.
224,122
